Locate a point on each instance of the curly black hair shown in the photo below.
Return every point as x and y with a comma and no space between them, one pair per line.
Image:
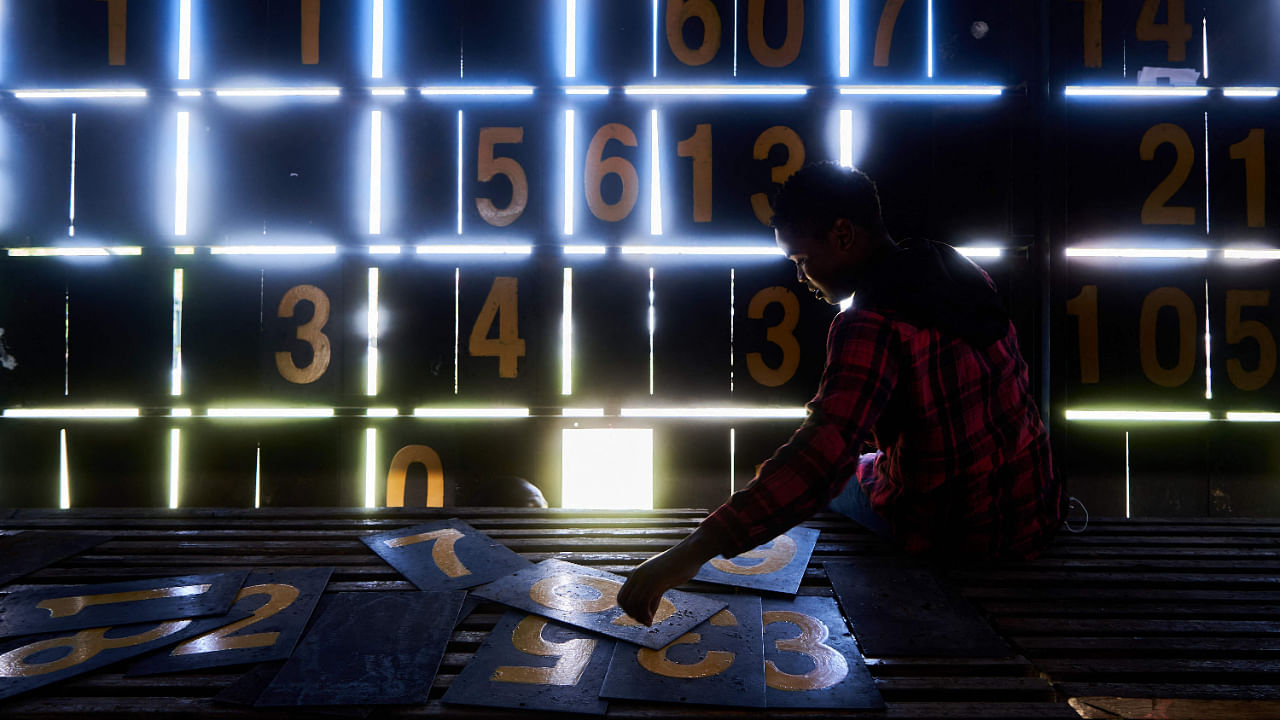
819,193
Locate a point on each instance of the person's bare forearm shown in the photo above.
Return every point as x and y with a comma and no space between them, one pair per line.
640,595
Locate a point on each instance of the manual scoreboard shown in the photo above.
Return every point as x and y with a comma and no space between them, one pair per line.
344,252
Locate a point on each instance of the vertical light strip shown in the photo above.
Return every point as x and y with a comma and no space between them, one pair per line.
844,38
732,280
71,210
653,326
64,472
733,448
1204,44
375,173
180,174
929,40
184,39
655,177
66,341
571,39
655,38
735,39
175,447
371,382
1206,172
175,372
1127,512
370,466
457,312
568,171
1208,367
566,336
846,138
257,478
377,38
459,172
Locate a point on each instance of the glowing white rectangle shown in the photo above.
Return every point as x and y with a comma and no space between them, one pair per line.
655,177
83,94
568,172
459,172
844,39
59,252
64,472
716,90
189,93
922,90
175,447
585,249
382,412
846,138
175,371
184,250
371,360
582,412
754,250
471,412
1251,92
1137,416
279,92
71,202
384,249
566,335
607,469
269,412
274,250
476,90
1265,417
370,466
980,252
181,168
587,90
1140,253
180,412
389,92
184,39
375,173
1251,254
474,249
72,413
1134,91
257,478
571,39
377,38
743,413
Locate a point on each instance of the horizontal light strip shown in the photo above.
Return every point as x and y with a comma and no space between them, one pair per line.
765,412
922,90
1251,92
582,412
184,250
717,90
585,249
274,250
270,412
189,93
701,250
1251,254
384,249
477,90
389,91
71,413
1134,91
1137,416
77,94
1265,417
280,92
382,412
981,252
471,412
587,90
1174,253
74,251
180,412
475,249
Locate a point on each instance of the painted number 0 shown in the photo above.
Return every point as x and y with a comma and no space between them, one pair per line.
312,333
679,12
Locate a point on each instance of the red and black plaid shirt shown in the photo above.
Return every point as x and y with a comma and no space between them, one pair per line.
964,465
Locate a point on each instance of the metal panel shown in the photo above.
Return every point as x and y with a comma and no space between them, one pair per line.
776,566
1107,43
810,658
305,43
32,550
89,43
445,555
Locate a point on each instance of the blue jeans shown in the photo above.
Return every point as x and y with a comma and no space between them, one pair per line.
853,502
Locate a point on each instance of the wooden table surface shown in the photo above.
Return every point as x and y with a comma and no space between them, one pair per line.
1133,618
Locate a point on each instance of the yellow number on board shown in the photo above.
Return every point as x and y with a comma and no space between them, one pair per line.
599,166
501,306
830,667
786,137
1176,32
1154,210
279,597
1239,330
698,148
1092,33
772,559
1085,307
117,26
783,335
73,604
884,33
312,333
82,647
310,32
680,12
784,54
547,592
487,166
1155,301
572,656
443,552
714,663
398,474
1253,151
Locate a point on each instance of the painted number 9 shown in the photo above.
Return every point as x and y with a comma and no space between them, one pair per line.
778,555
560,592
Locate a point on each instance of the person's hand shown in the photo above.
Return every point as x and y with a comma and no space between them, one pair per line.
640,595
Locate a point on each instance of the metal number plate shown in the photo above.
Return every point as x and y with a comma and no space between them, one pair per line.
776,566
810,659
445,555
29,551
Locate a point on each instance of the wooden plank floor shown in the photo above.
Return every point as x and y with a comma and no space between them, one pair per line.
1181,611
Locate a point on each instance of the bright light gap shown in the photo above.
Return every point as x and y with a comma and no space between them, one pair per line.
72,413
278,92
458,412
587,90
1206,172
1251,92
459,172
457,313
571,39
715,90
371,384
243,413
181,170
653,326
1127,512
175,447
654,53
929,39
1134,91
175,380
375,173
566,335
846,136
1138,415
184,39
273,250
625,456
655,176
1208,366
476,91
844,38
1140,253
714,412
568,171
753,250
64,472
378,15
370,466
76,94
456,249
922,90
71,208
257,478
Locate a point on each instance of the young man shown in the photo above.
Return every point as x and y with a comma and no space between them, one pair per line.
925,366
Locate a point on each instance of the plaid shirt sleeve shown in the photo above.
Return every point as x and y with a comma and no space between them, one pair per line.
803,475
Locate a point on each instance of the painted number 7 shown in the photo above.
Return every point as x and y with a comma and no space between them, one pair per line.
442,553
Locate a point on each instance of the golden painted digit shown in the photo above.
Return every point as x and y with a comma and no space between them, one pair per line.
443,553
786,53
774,558
310,32
83,646
681,11
279,597
573,656
783,335
501,305
776,135
399,471
1154,210
884,33
1178,300
1253,151
1176,32
698,147
714,663
547,593
1240,330
1092,33
830,667
598,167
312,333
68,606
117,25
1085,307
487,166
